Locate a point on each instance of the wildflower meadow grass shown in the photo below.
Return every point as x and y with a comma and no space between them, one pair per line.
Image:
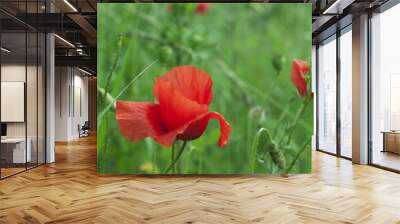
249,52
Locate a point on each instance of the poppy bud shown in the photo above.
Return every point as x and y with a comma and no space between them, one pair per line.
300,71
201,8
169,8
196,41
277,156
278,62
262,143
166,54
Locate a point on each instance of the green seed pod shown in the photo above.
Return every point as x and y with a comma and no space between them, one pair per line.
278,61
166,54
277,156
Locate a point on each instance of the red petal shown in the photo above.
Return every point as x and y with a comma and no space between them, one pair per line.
191,82
201,8
195,129
224,126
138,120
300,68
175,109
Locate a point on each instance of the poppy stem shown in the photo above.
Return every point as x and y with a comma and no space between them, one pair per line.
173,156
172,165
292,127
266,99
113,66
112,104
282,116
298,116
289,168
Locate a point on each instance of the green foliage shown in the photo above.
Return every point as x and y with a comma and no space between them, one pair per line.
242,47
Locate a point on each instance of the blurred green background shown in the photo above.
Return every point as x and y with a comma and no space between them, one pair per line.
236,45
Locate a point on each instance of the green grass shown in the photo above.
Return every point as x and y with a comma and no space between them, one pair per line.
235,45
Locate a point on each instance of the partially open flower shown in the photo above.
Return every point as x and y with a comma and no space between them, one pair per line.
181,111
299,71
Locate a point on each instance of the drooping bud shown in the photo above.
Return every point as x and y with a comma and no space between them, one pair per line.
277,156
262,143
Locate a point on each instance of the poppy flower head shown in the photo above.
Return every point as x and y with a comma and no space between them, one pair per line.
191,82
181,110
169,8
201,8
299,70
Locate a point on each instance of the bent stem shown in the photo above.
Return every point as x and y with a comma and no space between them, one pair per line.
172,165
289,168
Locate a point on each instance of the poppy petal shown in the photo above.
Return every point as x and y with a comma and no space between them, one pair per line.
138,120
175,109
201,8
195,129
300,68
224,127
193,83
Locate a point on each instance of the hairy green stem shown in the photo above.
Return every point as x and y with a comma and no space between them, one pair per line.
111,104
106,96
266,99
254,154
113,67
282,116
176,158
173,156
153,38
289,168
297,118
250,90
292,127
251,144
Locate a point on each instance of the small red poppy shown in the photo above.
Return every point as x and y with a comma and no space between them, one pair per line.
201,8
169,8
181,111
299,70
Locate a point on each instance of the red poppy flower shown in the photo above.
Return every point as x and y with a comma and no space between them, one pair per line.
169,8
299,70
181,111
201,8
